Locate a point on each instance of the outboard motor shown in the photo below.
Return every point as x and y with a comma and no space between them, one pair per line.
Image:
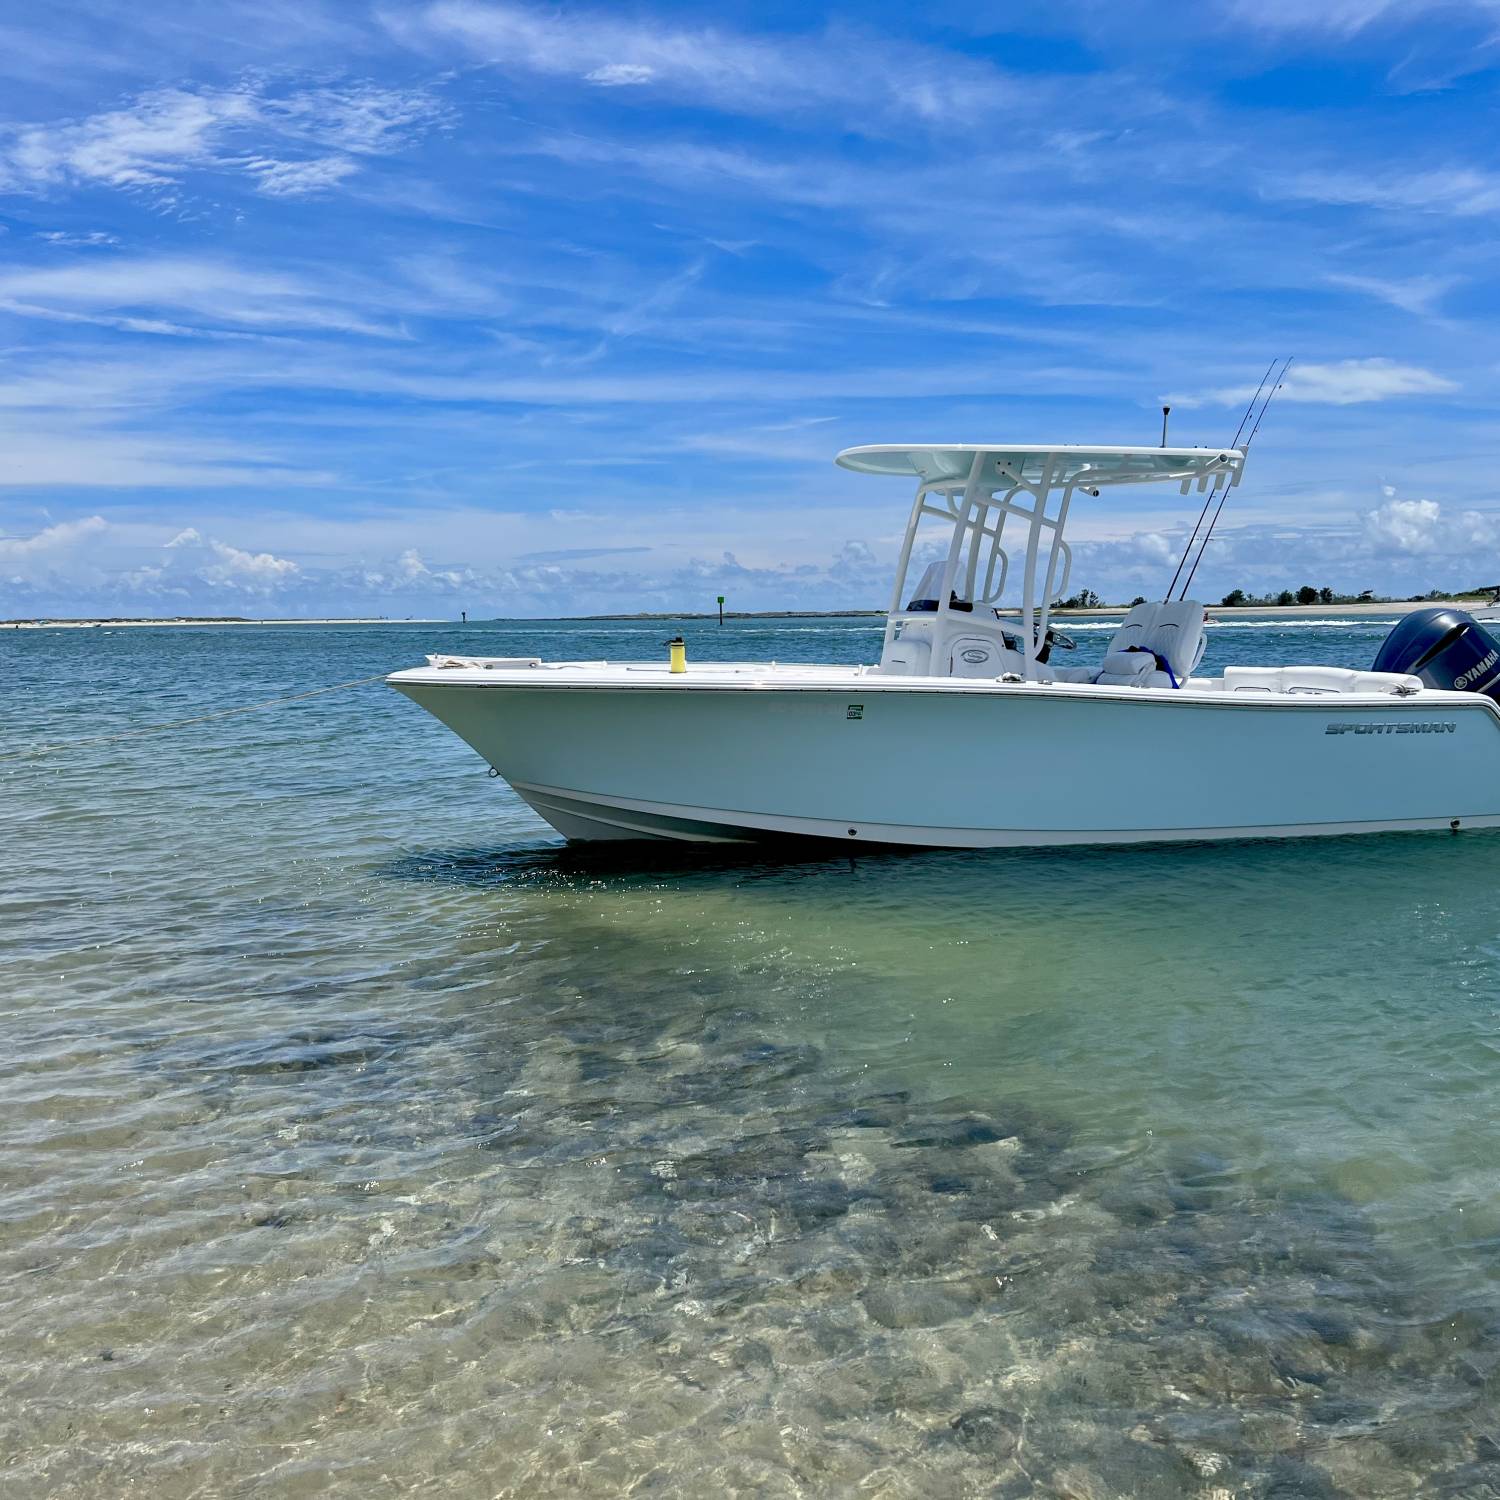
1445,648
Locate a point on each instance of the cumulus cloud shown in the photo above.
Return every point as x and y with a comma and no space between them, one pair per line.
1349,382
1420,528
56,561
219,565
87,566
51,539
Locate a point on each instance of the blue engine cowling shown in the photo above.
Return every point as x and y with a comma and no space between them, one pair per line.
1445,648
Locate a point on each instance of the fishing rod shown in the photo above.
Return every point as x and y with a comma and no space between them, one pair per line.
1193,537
1224,492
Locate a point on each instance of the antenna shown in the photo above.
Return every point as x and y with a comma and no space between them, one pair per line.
1209,499
1166,411
1224,489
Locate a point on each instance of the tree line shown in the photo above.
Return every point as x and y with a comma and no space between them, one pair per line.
1307,594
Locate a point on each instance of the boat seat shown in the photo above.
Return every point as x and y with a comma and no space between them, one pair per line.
1171,630
1315,681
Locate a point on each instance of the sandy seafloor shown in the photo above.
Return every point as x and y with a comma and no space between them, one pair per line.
358,1139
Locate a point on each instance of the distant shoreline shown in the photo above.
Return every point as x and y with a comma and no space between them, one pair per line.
1104,611
1371,609
735,614
185,621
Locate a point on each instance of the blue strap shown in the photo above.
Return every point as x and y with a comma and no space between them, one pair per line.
1162,664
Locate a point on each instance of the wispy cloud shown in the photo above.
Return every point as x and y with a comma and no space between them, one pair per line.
1418,295
875,80
1348,17
1463,192
214,290
153,142
1350,382
293,179
93,239
1340,17
78,455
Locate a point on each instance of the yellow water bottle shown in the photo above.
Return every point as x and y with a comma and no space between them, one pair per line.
677,653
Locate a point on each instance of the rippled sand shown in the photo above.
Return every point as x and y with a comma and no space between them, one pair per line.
358,1141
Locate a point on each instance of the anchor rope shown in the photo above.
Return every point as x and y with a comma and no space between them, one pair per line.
222,713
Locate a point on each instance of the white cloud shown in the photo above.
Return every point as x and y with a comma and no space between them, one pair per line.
363,118
1419,528
69,451
1414,294
1342,17
722,68
210,288
153,142
64,534
92,239
1349,382
1347,17
220,565
146,144
294,179
616,75
86,566
1463,192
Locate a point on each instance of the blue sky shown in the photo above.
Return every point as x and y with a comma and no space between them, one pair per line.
403,309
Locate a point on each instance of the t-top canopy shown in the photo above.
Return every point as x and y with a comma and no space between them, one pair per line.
1071,463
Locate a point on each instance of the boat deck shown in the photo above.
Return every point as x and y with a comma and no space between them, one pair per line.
1239,685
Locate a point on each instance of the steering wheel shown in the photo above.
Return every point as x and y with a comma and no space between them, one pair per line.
1054,638
1051,639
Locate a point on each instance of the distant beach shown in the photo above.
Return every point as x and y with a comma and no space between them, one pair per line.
1365,609
187,620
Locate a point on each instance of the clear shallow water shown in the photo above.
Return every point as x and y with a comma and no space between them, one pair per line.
358,1139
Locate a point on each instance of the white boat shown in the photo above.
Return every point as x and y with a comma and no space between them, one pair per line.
967,732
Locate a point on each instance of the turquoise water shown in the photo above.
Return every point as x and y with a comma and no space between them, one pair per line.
359,1139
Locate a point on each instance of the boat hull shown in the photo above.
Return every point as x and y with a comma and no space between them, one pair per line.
950,766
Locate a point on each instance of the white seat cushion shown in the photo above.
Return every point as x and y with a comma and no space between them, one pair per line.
1126,669
1316,681
1252,679
1172,630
